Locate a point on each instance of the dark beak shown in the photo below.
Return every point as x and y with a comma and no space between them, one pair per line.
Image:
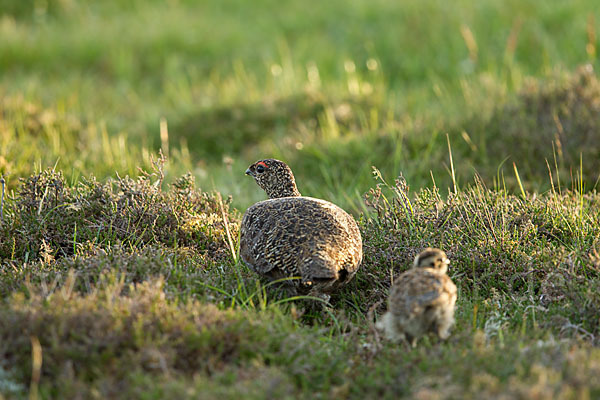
248,172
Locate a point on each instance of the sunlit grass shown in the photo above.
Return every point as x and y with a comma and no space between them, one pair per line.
353,84
487,112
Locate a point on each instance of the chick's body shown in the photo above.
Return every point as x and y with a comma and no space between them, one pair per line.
421,300
312,241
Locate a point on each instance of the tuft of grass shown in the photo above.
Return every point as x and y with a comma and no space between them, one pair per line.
47,219
497,242
35,137
552,119
115,329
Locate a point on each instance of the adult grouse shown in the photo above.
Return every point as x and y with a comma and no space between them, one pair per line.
312,241
421,300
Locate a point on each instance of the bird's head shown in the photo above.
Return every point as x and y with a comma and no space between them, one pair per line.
274,177
432,258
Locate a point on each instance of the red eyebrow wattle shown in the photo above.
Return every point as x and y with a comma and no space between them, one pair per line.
262,163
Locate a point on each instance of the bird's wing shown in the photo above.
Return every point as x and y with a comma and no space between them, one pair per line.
417,289
301,237
253,239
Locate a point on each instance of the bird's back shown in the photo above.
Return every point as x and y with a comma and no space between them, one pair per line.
420,289
300,236
421,300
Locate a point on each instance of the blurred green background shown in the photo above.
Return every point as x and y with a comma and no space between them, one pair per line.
330,87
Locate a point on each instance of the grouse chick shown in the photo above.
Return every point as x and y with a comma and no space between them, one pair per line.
421,300
312,241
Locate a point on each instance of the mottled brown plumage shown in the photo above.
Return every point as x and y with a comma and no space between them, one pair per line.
421,300
311,241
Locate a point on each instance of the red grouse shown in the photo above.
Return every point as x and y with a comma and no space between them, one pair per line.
421,300
313,242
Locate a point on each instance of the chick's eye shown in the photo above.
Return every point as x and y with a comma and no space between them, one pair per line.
260,169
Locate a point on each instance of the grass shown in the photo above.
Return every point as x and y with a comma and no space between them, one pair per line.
155,317
119,274
318,88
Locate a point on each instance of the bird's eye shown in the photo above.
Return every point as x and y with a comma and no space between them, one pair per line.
260,169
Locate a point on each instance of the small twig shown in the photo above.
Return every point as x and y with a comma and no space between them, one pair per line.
577,328
375,346
164,136
519,180
36,367
451,164
230,242
158,166
42,200
2,200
